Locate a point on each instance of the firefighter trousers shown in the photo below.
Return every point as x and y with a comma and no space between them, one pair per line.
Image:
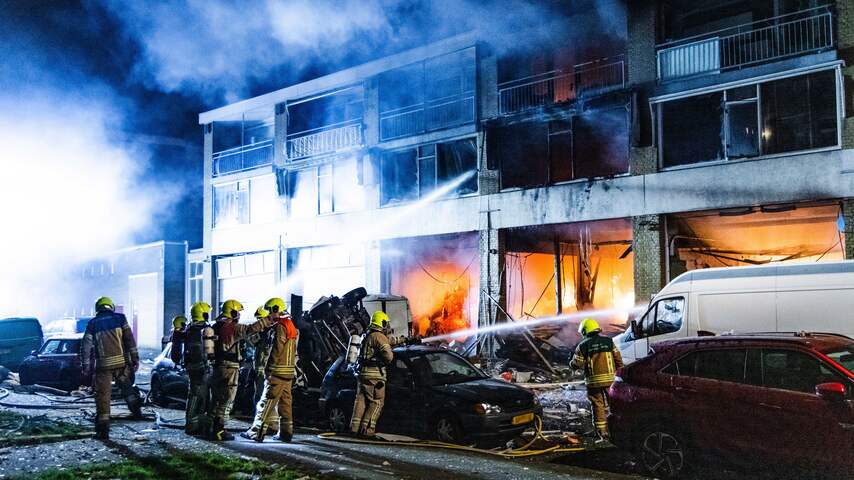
198,402
278,403
598,397
223,391
124,378
272,422
370,397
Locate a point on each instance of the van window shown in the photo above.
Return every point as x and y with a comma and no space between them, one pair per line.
665,316
796,371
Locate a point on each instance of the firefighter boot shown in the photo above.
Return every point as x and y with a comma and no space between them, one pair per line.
286,433
219,433
102,431
260,434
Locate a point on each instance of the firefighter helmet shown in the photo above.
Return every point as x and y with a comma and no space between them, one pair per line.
104,303
262,312
179,322
232,308
200,312
379,320
276,305
588,326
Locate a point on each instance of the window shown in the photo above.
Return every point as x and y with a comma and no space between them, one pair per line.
412,173
243,142
664,317
329,188
843,356
69,347
399,374
793,370
196,282
231,204
265,206
797,113
443,369
725,364
50,348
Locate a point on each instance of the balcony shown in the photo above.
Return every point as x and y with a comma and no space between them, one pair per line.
323,140
799,33
559,86
427,116
242,158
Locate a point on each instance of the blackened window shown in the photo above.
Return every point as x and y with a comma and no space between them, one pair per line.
415,172
691,129
601,143
799,113
399,170
560,151
522,152
456,159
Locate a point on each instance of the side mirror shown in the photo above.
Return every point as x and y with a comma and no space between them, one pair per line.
833,391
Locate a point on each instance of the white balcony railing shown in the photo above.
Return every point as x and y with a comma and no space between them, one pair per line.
327,139
558,86
432,115
794,34
242,158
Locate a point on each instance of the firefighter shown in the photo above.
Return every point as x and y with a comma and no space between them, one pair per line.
198,352
227,357
262,352
281,371
179,324
599,358
374,356
109,340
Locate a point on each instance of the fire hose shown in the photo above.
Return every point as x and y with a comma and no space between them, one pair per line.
519,452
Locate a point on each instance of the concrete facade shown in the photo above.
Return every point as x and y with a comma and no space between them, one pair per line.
645,192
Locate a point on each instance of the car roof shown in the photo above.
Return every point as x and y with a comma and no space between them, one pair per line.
19,319
816,340
415,350
66,336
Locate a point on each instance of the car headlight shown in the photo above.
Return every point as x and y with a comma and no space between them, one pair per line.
486,408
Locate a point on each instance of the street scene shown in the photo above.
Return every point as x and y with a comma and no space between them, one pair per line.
427,239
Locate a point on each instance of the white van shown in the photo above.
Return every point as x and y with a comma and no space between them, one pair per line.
793,297
397,308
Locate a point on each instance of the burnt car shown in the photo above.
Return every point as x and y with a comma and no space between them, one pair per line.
169,382
56,364
432,392
769,399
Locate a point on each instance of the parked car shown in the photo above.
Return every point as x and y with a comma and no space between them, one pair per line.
765,298
436,393
18,338
765,398
56,364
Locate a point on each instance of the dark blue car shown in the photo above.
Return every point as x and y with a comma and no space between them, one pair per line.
56,364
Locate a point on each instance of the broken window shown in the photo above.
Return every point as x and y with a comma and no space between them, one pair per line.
331,187
231,204
522,152
560,151
691,130
799,113
601,143
742,119
415,172
243,142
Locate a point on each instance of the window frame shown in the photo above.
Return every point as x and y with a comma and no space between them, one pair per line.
654,308
849,387
237,194
839,96
712,348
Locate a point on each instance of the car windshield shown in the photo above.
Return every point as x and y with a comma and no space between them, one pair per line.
843,356
440,368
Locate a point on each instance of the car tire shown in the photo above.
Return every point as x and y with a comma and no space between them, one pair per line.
447,428
155,392
663,452
337,418
24,377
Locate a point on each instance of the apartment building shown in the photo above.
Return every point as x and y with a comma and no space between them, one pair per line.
486,178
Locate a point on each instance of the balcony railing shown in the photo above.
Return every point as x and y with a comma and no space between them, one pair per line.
327,139
242,158
434,114
558,86
790,35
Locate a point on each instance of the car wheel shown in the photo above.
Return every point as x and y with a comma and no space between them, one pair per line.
447,429
337,418
24,377
155,391
663,453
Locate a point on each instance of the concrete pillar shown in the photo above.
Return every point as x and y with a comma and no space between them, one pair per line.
492,245
641,75
845,43
643,160
280,130
209,289
488,181
847,206
371,113
649,245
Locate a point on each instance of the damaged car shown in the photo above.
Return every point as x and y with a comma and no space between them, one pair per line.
432,392
56,364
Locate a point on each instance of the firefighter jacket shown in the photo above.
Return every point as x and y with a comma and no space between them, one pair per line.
229,333
109,340
177,352
599,358
283,353
374,355
198,346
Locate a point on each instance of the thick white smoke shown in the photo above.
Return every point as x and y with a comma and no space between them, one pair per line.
70,193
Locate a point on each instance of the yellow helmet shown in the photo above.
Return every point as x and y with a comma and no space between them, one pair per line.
261,312
379,319
179,322
104,303
588,326
200,312
231,308
276,305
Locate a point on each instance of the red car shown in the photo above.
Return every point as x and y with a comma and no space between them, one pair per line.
765,399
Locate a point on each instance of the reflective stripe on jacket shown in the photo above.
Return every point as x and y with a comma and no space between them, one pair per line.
229,334
599,358
376,354
109,337
283,354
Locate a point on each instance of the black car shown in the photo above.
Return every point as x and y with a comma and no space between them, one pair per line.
18,338
169,382
56,364
432,392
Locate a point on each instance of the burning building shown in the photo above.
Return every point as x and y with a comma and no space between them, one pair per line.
484,178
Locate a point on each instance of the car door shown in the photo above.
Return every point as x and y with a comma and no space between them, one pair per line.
663,320
401,402
46,371
68,363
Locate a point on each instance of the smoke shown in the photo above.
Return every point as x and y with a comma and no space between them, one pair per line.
226,49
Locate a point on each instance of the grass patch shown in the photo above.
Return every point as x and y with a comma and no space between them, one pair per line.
16,428
186,466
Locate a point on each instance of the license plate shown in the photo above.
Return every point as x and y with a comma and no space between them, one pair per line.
520,419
